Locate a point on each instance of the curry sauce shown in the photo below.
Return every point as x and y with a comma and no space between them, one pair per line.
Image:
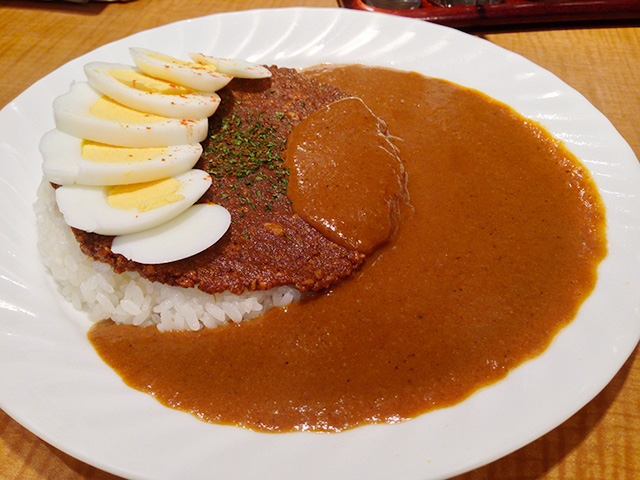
348,187
494,253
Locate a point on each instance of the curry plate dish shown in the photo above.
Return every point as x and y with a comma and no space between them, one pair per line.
504,237
480,247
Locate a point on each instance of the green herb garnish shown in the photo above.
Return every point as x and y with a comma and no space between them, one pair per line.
244,149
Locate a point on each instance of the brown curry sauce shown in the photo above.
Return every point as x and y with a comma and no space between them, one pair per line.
349,186
495,254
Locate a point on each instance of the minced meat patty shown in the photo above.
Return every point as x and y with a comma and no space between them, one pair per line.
267,245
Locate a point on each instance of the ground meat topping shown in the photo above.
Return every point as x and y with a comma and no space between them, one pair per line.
267,245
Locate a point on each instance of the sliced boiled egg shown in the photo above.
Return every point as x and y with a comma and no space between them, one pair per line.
86,113
68,160
232,66
130,87
189,233
124,209
193,75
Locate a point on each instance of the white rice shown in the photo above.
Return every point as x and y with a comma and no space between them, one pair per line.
127,298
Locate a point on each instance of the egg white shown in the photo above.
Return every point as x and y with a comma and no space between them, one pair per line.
73,116
163,104
64,164
190,74
85,207
232,66
190,104
191,232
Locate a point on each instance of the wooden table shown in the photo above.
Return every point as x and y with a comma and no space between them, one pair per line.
602,441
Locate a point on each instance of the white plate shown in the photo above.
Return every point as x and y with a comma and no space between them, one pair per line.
53,383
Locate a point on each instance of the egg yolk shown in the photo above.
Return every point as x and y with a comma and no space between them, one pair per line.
106,108
99,152
145,83
145,196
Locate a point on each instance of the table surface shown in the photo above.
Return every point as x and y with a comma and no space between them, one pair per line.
601,441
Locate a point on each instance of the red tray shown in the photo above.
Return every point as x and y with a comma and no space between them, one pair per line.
512,12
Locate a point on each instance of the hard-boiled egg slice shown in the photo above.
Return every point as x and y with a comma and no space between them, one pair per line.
85,113
232,66
193,75
189,233
124,209
129,86
69,160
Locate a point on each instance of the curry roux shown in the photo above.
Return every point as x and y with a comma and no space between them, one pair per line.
495,254
349,187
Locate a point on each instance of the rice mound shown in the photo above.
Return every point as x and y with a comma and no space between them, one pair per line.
127,298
